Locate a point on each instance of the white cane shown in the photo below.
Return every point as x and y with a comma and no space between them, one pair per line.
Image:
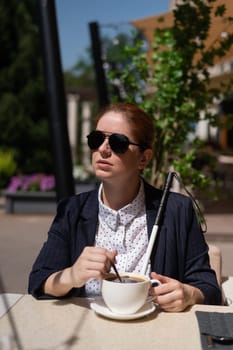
157,222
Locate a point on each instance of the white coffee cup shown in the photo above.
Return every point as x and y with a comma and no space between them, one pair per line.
127,298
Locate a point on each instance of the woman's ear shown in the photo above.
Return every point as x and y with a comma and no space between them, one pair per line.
146,157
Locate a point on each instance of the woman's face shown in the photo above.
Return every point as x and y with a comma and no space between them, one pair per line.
112,166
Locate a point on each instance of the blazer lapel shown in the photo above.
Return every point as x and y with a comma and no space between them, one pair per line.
153,197
90,217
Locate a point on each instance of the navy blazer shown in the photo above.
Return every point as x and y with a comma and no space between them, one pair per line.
180,250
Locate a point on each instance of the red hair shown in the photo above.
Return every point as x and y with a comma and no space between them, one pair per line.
140,122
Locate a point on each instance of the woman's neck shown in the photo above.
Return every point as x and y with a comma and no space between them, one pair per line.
119,195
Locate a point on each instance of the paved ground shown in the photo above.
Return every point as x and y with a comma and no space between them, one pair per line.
21,237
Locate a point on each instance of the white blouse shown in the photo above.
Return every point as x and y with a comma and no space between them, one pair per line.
124,230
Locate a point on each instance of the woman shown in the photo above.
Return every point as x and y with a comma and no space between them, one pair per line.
113,224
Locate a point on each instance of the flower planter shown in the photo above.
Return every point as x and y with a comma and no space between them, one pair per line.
33,202
24,202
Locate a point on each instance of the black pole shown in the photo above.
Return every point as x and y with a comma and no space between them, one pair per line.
56,100
102,92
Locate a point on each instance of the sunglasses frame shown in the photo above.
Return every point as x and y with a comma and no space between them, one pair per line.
119,143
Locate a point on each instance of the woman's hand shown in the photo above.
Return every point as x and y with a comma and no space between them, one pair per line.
93,262
174,296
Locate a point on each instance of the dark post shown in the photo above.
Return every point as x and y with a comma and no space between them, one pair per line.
225,109
98,64
56,100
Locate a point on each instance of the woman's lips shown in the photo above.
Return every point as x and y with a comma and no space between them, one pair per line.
103,164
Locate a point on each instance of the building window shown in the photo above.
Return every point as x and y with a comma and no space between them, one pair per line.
231,66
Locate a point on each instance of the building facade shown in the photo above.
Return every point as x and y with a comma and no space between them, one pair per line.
221,71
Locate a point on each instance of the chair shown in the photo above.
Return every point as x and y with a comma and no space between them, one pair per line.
216,261
216,264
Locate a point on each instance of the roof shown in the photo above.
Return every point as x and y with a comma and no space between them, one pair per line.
217,30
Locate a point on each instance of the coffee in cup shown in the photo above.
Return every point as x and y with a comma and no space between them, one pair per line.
129,295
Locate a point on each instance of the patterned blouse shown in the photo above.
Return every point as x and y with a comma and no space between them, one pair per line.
124,230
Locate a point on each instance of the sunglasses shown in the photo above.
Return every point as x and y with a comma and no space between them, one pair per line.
119,143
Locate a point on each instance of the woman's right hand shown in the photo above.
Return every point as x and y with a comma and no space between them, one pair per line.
93,262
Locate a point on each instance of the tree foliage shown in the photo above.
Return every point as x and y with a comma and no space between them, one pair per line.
23,112
174,88
82,74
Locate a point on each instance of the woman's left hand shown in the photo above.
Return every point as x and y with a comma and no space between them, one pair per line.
174,296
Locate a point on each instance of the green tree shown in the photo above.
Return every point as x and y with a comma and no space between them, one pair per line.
82,75
175,87
23,111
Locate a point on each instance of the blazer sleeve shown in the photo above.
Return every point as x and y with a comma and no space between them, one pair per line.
197,270
181,250
60,250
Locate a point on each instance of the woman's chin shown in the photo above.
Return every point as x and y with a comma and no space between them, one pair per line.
103,174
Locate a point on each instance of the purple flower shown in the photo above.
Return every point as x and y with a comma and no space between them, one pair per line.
15,183
34,182
47,183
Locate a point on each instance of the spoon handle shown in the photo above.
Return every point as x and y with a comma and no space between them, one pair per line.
209,339
117,273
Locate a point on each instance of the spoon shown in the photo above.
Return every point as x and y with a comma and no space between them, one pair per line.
222,339
218,339
116,272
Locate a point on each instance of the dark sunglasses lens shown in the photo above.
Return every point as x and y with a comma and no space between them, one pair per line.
119,143
95,139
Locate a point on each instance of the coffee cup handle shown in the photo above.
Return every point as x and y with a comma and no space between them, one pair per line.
154,283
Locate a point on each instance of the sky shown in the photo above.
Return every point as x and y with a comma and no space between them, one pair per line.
74,16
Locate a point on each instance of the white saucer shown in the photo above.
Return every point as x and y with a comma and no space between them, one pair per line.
100,308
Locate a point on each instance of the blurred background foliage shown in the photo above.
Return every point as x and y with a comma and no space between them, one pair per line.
168,87
174,87
23,112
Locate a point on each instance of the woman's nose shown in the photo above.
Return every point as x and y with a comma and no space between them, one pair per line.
105,148
105,144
